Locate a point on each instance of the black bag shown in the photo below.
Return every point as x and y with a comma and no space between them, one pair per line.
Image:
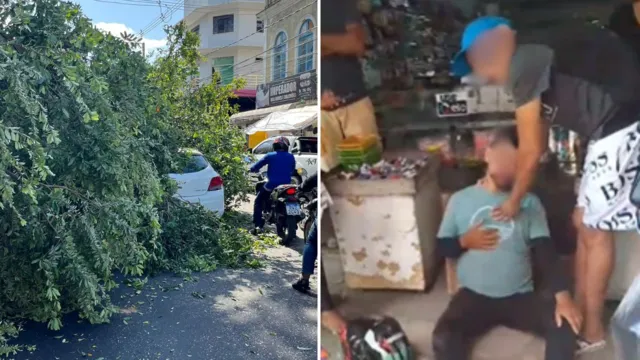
380,338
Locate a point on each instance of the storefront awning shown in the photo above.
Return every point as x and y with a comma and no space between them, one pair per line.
245,93
288,120
247,117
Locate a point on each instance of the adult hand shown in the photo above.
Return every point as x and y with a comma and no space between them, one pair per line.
329,100
566,309
480,238
507,211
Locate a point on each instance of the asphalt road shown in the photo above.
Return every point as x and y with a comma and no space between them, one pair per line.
226,315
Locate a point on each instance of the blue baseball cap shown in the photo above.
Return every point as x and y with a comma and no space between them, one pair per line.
478,27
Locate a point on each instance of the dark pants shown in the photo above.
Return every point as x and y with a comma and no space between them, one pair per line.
471,315
258,205
325,298
310,253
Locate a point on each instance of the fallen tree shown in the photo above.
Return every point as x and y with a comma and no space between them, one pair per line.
88,131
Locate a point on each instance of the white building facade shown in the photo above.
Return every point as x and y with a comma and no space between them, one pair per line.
292,37
231,39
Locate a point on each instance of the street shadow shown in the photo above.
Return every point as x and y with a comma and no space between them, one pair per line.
227,314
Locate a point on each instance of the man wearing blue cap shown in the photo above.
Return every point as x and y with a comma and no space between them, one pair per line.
587,80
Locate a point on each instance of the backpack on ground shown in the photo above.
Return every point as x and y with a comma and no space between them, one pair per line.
377,338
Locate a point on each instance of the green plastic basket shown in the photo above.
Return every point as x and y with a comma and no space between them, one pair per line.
353,160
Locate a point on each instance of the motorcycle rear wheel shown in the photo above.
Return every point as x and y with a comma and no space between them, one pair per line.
286,230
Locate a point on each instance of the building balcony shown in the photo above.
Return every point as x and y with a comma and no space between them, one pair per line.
198,6
252,81
242,37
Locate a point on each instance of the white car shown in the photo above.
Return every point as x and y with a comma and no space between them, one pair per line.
303,148
200,183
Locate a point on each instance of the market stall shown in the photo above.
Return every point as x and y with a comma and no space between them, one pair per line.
439,124
424,113
287,120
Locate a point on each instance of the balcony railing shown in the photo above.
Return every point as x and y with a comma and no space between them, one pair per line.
252,81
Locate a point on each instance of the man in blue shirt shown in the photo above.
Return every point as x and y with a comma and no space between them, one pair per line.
280,166
494,266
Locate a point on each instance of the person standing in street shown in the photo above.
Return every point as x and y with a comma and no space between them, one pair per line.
346,108
586,79
310,252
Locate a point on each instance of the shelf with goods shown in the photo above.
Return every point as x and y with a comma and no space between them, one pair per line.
410,47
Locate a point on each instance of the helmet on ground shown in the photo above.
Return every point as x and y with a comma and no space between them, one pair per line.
281,143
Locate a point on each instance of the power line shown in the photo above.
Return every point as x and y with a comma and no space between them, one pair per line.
160,19
274,54
266,27
143,3
271,48
270,56
288,62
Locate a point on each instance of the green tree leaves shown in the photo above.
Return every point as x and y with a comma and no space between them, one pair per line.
79,188
199,112
88,131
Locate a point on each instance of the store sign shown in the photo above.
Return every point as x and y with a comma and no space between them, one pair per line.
451,104
286,91
470,99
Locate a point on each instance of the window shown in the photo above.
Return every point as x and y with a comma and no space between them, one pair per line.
196,29
224,67
306,145
280,57
264,148
305,47
195,164
222,24
260,26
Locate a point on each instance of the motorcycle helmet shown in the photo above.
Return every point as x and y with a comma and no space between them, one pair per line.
281,143
376,338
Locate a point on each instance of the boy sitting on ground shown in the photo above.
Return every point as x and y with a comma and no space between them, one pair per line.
494,266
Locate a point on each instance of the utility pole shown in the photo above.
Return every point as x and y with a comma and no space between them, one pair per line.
143,51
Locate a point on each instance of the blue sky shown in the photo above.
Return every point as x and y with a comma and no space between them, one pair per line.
116,16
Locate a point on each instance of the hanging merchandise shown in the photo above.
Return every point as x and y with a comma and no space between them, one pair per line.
412,41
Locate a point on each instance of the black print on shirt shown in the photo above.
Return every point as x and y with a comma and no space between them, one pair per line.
617,221
611,189
630,144
595,166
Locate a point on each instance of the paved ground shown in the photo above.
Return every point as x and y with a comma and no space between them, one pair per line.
417,312
227,314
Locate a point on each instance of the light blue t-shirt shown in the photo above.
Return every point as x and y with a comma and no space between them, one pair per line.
507,269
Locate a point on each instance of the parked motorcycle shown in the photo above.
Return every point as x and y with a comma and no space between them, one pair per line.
282,209
309,202
311,216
